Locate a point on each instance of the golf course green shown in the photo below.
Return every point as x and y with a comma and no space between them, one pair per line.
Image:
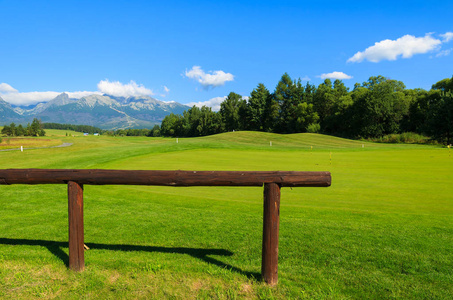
383,230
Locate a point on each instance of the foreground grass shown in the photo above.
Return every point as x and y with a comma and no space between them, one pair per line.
382,230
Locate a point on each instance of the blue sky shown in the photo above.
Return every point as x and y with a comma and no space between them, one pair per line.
190,53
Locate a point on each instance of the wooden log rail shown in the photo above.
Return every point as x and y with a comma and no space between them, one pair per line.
75,179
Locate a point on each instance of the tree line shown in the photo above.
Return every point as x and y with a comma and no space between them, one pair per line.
155,131
77,128
377,107
33,129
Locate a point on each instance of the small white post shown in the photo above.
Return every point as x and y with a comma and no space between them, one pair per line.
270,143
21,148
177,141
363,146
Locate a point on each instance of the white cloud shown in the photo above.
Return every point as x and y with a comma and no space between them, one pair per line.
306,78
166,89
214,79
405,46
13,96
213,103
32,98
335,75
444,53
6,88
446,37
118,89
28,98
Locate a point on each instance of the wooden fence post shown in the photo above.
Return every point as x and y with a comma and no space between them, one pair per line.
271,220
75,215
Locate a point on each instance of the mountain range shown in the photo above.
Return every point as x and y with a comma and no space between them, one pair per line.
103,111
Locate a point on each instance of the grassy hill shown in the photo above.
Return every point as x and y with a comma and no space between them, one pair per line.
59,132
382,230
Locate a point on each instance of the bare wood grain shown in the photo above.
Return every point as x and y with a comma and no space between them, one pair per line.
75,216
165,178
271,224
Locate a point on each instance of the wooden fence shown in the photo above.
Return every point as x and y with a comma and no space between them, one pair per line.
75,179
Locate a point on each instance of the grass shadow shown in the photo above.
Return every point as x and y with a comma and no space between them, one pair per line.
199,253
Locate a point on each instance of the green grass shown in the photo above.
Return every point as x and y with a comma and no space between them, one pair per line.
59,132
27,142
382,230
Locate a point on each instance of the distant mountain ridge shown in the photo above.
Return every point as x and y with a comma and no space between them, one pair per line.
104,111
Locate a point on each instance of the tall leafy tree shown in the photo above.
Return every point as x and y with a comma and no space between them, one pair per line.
324,99
440,118
169,124
337,116
415,119
155,131
13,129
444,85
36,128
193,120
288,95
6,130
20,131
306,116
379,108
309,93
271,114
233,111
256,108
210,122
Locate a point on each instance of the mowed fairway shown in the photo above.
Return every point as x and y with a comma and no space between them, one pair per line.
382,230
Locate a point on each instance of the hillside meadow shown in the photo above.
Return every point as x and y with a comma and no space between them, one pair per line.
383,230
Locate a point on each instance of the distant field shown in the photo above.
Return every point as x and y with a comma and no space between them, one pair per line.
59,132
382,230
27,142
32,142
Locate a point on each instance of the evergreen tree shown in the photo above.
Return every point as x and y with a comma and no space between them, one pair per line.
306,116
233,111
271,114
256,108
309,93
6,130
36,129
324,100
288,95
12,129
20,130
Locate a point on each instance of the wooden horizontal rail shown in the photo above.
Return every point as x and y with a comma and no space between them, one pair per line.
165,178
75,179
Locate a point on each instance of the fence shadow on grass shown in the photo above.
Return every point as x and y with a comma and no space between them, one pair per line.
203,254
